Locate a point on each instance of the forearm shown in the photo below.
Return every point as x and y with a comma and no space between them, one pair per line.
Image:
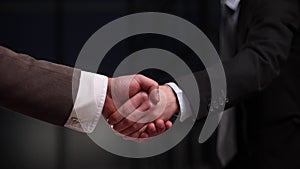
39,89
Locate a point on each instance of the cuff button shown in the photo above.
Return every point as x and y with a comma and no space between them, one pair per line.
74,119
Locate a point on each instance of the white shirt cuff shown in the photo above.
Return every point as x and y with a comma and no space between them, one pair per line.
232,4
88,103
185,108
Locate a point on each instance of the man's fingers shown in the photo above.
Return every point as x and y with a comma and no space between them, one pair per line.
168,124
136,136
139,132
144,131
154,95
127,108
140,112
150,86
151,129
115,118
132,118
132,129
160,126
144,135
122,125
156,128
133,103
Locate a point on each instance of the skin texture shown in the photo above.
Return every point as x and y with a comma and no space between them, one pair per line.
144,112
145,99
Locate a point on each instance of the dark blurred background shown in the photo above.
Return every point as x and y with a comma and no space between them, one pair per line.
56,30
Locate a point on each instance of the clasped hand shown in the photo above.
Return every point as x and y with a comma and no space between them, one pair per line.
137,107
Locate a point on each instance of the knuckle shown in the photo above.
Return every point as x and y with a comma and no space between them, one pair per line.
139,76
144,96
155,83
132,106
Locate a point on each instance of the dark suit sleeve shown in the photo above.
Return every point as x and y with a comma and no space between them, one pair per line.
39,89
266,29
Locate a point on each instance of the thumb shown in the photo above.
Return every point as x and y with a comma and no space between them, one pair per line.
150,86
154,94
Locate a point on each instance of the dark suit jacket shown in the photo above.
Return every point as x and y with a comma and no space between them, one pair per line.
39,89
263,82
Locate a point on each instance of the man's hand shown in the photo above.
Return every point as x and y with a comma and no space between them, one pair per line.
136,87
139,92
155,128
134,125
172,107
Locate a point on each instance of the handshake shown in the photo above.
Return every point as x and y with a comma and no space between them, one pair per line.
137,107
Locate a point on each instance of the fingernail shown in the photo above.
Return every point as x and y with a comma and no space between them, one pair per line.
154,96
157,95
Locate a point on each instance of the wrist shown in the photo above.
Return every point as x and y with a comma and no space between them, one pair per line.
172,99
108,90
108,107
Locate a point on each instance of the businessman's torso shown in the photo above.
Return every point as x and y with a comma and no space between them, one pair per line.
272,115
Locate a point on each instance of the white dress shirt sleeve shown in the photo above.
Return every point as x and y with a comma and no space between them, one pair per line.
88,103
184,105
